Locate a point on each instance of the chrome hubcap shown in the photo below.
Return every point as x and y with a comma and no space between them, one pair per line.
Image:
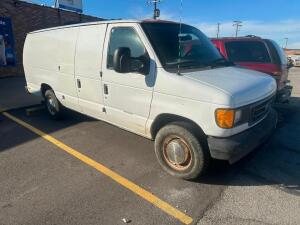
176,153
51,105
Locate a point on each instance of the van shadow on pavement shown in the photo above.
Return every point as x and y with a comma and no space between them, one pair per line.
12,134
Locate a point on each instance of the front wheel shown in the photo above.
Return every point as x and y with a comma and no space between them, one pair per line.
180,152
54,108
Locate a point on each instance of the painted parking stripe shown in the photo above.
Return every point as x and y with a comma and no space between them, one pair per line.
164,206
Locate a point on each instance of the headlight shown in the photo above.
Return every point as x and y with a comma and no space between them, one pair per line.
225,118
238,116
228,118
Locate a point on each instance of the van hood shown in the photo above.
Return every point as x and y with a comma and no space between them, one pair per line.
243,85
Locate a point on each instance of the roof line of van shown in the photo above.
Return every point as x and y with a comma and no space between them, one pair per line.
85,24
101,22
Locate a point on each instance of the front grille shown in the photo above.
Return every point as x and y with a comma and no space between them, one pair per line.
260,110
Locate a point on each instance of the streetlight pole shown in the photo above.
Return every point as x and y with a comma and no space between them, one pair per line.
286,42
156,11
237,24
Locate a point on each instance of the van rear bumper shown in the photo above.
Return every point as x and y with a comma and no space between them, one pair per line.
237,146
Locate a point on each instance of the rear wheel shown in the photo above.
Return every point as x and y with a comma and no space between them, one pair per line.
53,106
180,152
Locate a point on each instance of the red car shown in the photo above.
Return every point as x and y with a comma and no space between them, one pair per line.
259,54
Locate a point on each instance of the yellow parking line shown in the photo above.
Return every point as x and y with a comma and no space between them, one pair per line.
167,208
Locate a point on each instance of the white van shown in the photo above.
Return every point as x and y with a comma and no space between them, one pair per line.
159,79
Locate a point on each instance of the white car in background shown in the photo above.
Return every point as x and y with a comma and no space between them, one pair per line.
295,59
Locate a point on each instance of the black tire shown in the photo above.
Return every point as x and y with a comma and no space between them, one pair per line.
53,106
182,136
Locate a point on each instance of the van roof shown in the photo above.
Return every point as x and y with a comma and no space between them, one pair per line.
101,22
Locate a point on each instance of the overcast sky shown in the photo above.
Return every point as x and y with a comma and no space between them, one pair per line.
275,19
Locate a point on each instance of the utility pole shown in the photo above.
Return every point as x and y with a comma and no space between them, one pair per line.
286,42
237,24
156,11
218,29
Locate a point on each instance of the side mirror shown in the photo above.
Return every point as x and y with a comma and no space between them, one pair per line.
124,63
141,64
122,60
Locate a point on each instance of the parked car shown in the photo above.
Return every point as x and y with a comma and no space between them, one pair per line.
295,59
290,61
131,74
259,54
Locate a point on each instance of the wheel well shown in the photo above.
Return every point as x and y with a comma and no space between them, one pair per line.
165,119
44,88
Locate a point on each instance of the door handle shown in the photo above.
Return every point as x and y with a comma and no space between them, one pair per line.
105,89
78,83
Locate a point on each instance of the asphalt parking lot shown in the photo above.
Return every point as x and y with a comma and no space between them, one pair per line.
84,171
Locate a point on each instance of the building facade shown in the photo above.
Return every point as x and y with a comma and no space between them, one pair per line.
17,18
292,51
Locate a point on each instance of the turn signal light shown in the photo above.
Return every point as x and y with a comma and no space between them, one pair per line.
225,118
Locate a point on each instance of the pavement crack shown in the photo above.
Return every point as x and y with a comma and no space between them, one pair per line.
245,220
289,148
212,203
9,204
290,189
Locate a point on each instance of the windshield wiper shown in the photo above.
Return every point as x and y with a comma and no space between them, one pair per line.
221,62
187,63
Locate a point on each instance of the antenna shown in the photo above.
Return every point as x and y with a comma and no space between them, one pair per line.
237,24
218,29
156,11
179,37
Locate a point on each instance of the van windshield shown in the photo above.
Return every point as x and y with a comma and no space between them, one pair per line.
187,48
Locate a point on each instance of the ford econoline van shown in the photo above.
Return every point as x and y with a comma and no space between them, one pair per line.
161,80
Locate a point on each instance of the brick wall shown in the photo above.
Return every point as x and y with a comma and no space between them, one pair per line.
28,17
292,51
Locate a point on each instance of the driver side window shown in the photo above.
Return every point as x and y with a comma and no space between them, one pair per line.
124,37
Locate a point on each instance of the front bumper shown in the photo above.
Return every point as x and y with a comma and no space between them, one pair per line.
284,94
237,146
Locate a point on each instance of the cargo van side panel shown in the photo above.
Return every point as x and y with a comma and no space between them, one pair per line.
88,61
49,59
